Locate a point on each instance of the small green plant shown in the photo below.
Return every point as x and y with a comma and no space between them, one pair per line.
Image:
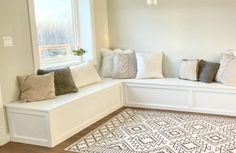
79,52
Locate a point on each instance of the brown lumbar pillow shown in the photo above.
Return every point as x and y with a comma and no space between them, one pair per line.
36,88
207,71
63,79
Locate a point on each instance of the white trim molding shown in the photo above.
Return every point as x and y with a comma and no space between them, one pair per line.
4,136
34,38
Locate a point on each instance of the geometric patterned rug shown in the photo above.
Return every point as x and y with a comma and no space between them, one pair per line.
152,131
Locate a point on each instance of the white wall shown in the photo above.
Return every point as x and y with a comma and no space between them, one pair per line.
180,28
101,25
16,60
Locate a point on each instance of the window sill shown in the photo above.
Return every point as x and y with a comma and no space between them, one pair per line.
61,64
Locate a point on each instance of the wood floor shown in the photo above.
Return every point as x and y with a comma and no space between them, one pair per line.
22,148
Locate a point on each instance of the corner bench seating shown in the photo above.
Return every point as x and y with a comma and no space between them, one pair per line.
48,123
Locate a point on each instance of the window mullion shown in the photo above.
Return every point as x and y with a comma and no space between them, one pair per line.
75,8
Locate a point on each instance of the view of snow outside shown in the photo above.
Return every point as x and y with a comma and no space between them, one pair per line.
54,28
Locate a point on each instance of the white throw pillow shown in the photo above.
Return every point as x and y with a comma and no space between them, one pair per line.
149,65
225,60
228,77
107,60
189,70
84,74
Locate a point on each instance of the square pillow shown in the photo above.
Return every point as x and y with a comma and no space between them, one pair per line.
64,82
225,60
36,88
107,61
149,65
207,71
229,75
84,74
124,65
189,70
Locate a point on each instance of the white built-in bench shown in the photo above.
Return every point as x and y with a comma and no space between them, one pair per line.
50,122
181,95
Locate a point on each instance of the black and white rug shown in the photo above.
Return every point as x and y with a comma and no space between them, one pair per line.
146,131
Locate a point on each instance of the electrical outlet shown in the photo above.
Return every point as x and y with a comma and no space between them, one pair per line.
7,41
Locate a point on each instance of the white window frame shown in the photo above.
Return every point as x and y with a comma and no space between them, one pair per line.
91,56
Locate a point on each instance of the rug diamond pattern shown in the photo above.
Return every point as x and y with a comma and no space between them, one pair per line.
153,131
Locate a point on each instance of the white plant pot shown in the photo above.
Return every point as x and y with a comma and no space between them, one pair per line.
80,59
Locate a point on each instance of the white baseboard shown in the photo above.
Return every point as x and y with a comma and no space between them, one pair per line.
182,109
154,106
5,140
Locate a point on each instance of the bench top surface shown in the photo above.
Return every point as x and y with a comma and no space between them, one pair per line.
48,105
59,101
180,83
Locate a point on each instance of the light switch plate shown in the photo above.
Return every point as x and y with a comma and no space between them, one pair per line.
152,2
149,2
7,41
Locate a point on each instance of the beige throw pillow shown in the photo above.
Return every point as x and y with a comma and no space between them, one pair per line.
189,70
36,88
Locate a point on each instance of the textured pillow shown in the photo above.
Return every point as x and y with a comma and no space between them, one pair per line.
149,65
189,70
207,71
229,75
84,74
36,88
124,65
107,60
225,60
64,82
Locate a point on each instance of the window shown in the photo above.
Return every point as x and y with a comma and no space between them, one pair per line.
57,29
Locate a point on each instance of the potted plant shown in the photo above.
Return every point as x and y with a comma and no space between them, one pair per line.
79,53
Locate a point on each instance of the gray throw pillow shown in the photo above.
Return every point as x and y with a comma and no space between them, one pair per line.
63,79
207,71
124,66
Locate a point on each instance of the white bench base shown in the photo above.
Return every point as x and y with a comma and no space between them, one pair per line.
49,123
181,95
